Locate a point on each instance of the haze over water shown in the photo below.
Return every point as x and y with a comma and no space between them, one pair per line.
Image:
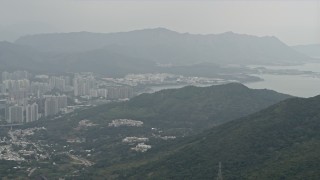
296,85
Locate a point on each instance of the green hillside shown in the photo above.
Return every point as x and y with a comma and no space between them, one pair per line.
202,107
194,108
280,142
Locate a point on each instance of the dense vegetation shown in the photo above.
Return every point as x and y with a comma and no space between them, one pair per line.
280,142
196,107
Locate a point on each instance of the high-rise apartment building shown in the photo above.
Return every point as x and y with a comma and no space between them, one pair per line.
83,85
62,101
31,112
16,114
51,106
58,83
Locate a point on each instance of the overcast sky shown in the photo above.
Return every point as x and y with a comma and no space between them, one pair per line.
294,22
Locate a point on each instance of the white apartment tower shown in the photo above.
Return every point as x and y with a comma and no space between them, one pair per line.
31,112
16,114
51,106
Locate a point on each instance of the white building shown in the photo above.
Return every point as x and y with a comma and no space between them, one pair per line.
51,106
16,114
103,93
83,85
58,83
2,89
32,112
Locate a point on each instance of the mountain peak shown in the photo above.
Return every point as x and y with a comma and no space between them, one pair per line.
229,32
156,30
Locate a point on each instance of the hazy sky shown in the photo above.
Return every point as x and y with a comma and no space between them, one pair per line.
294,22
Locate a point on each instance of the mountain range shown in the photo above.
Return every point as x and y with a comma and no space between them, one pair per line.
145,51
17,57
164,46
312,50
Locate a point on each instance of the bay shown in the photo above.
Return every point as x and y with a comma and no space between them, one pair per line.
304,85
297,85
